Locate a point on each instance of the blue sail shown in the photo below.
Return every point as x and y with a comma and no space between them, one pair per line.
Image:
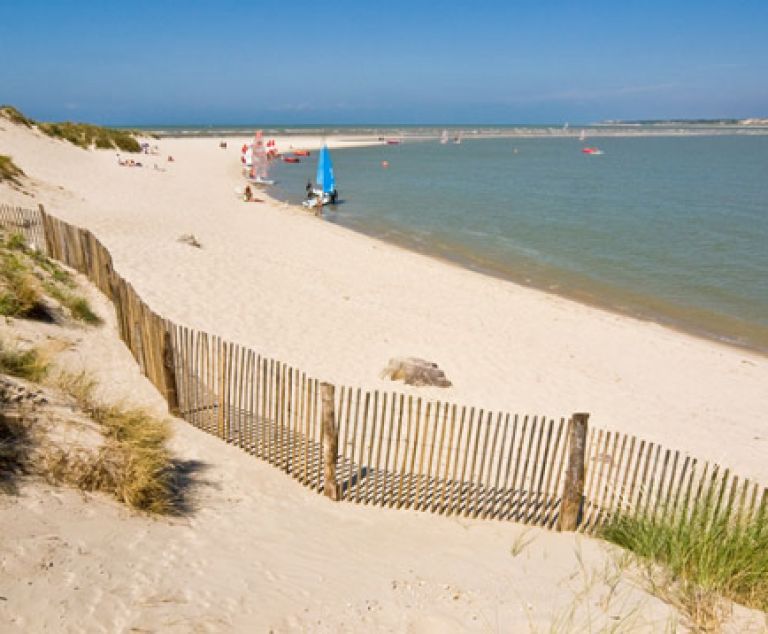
325,178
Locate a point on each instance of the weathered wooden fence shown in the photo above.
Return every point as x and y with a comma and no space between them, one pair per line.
391,449
25,222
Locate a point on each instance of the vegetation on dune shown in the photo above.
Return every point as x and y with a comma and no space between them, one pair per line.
14,115
133,464
9,171
25,364
27,277
83,135
696,561
14,449
20,294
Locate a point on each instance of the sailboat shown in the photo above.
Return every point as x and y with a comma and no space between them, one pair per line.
325,191
257,162
583,135
444,137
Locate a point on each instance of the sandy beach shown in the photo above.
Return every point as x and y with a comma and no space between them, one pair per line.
339,305
260,553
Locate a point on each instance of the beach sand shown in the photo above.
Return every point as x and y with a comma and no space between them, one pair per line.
339,305
261,552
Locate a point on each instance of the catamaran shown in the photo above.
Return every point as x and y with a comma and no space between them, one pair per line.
324,193
256,161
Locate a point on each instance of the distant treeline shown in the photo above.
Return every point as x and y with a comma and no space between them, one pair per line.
84,135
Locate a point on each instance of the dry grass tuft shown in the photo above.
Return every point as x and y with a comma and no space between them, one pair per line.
133,465
15,116
26,276
14,448
9,171
20,293
26,364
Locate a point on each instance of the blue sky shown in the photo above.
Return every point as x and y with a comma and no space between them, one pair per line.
264,61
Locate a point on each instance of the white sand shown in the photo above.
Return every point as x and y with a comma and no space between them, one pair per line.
338,304
260,551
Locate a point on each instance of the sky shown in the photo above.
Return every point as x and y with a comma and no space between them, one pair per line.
383,62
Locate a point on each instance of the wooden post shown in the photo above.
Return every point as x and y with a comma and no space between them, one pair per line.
46,232
573,491
330,442
169,375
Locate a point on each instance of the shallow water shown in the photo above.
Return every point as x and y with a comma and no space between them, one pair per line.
671,229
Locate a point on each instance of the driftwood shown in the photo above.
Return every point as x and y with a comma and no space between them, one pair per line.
415,371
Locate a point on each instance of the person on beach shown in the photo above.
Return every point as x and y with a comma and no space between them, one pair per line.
248,194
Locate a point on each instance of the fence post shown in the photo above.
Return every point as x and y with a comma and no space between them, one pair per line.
573,491
330,442
46,233
169,375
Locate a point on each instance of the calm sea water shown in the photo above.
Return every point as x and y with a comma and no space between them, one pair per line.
670,229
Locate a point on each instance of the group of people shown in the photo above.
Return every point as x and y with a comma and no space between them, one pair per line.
129,162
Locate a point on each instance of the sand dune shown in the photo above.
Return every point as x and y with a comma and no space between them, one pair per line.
259,552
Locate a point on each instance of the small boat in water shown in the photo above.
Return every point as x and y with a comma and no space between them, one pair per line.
592,150
291,159
301,152
324,193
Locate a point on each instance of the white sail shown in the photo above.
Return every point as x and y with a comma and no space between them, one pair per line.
259,161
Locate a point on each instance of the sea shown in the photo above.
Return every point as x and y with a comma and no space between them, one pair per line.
671,228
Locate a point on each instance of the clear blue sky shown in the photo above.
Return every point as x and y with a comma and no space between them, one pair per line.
391,61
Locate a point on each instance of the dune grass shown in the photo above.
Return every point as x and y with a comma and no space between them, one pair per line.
14,449
25,364
77,305
133,465
15,115
695,562
9,171
26,276
20,292
84,135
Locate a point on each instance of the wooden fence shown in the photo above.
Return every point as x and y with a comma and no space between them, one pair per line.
25,222
391,449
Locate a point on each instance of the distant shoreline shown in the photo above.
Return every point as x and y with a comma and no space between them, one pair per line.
417,133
